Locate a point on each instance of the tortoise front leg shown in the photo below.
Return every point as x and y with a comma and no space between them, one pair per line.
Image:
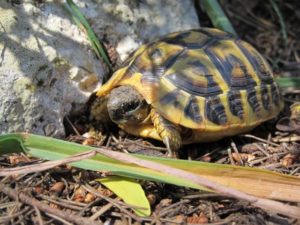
168,132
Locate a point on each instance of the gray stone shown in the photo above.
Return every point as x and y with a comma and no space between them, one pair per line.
47,68
129,23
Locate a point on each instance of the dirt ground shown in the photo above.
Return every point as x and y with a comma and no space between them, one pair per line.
273,27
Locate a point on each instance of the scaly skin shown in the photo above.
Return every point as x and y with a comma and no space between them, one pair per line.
168,132
98,111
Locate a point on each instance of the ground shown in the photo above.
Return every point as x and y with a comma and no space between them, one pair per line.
269,146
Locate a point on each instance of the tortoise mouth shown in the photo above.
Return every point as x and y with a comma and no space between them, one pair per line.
126,106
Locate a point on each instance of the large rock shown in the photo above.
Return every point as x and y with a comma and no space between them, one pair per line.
128,23
47,68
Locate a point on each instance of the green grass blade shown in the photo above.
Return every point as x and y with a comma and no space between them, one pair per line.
11,144
217,15
281,20
288,82
80,20
253,181
54,149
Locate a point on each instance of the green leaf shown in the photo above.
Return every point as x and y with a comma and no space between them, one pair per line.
258,182
130,191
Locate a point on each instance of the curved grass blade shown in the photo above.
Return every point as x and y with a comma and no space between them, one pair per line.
81,22
217,15
281,20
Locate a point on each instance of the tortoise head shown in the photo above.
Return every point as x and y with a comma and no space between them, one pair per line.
127,106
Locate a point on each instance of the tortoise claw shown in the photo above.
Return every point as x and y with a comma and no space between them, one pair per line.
171,152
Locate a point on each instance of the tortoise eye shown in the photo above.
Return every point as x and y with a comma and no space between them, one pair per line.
126,105
130,106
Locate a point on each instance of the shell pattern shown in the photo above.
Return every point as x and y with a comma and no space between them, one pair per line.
203,79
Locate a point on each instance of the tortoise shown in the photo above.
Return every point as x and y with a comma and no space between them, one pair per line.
198,85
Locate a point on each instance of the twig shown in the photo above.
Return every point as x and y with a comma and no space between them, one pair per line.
260,139
261,149
225,221
288,139
72,126
253,162
45,165
172,208
65,205
293,172
5,219
38,215
22,217
97,200
204,195
44,207
230,156
269,140
102,210
74,203
145,146
233,145
4,204
58,218
108,141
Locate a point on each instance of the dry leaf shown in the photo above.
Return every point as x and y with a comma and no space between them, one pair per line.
198,219
57,188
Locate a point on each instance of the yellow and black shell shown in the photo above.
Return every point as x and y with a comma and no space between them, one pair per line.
206,80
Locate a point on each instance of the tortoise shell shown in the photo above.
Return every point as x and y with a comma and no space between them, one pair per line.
206,80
